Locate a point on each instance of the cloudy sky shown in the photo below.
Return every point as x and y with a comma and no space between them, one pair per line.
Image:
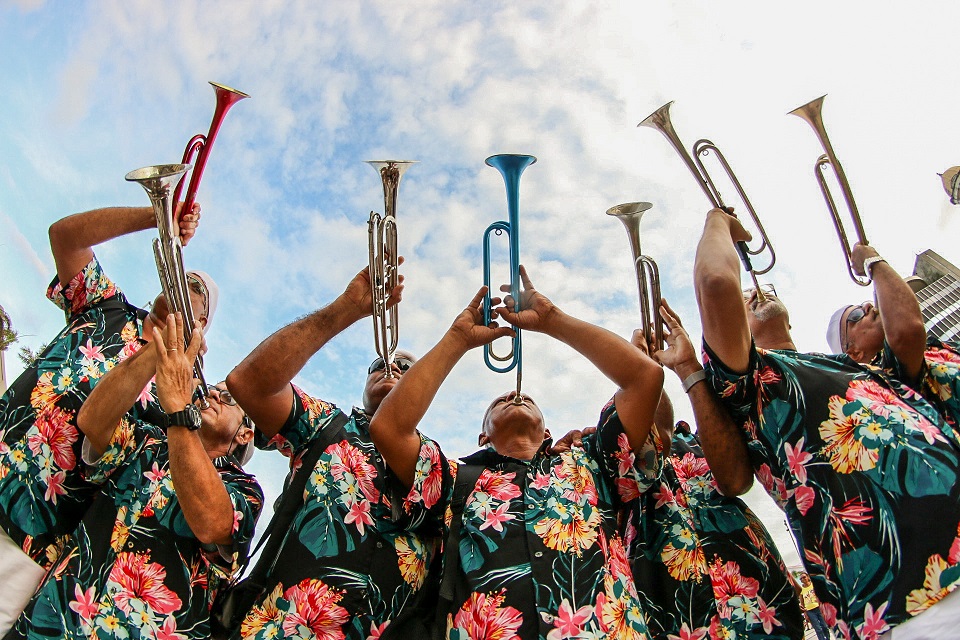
92,90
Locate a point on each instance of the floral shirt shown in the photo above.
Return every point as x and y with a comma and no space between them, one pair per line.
541,546
859,462
42,493
940,377
134,569
704,564
358,549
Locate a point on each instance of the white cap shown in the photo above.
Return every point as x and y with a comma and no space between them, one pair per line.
213,293
833,329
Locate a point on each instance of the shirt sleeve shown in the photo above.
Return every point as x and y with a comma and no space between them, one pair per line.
128,441
432,483
632,472
246,496
84,290
892,364
307,419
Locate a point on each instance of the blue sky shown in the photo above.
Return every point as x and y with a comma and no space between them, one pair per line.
92,90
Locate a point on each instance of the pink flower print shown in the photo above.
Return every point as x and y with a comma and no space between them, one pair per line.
627,489
316,609
54,429
805,497
91,352
349,459
156,474
687,634
140,579
482,616
568,623
377,631
768,616
359,513
690,466
829,613
498,486
432,474
85,604
145,396
540,481
878,398
237,517
55,486
496,517
664,496
729,584
796,459
169,630
873,622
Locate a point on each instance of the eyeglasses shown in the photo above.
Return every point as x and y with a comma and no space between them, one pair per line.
766,288
401,362
856,314
223,395
200,288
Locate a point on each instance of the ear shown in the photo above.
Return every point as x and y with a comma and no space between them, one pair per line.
244,436
203,322
483,440
546,434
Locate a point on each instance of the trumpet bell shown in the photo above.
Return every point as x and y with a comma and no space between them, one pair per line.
646,270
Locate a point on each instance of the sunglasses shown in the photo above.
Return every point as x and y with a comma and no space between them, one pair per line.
224,395
401,362
198,287
856,314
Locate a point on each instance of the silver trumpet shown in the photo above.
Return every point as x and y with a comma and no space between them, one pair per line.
383,265
648,275
812,114
660,120
159,182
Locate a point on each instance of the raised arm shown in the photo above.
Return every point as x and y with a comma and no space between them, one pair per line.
639,378
261,383
899,310
204,500
72,238
716,276
723,443
394,426
114,395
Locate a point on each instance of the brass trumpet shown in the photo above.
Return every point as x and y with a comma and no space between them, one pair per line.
158,181
648,275
812,113
383,265
660,120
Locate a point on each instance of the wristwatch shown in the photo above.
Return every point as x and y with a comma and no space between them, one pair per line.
189,418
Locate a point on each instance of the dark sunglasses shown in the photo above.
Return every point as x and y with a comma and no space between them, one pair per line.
401,362
856,314
767,288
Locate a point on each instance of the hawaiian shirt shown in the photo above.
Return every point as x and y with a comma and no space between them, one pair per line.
541,543
42,493
134,569
704,564
939,378
859,462
359,548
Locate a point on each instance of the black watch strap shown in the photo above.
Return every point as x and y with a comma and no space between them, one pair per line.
189,417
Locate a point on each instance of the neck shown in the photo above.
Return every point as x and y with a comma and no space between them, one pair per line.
774,337
519,446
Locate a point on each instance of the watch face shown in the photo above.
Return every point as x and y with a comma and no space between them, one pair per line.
193,416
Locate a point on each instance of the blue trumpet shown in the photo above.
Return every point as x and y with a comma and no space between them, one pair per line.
510,166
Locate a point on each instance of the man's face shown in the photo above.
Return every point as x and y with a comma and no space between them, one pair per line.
378,386
861,331
760,312
223,419
507,414
160,309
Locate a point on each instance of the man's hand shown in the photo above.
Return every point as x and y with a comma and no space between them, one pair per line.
680,356
737,232
175,381
858,254
359,292
188,222
468,327
537,311
572,439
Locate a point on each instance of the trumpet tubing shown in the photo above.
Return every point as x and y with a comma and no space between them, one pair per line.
646,270
511,167
812,114
383,264
159,181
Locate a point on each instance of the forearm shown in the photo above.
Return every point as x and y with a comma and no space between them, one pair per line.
901,317
204,500
394,426
72,238
114,395
723,443
717,284
261,382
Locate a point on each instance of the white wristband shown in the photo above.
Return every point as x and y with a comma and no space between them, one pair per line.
869,262
692,379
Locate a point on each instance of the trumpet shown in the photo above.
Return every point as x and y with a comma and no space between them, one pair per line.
383,265
648,275
200,145
812,114
660,120
158,181
511,167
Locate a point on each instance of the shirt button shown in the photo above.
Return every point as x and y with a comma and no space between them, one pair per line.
538,554
548,618
530,506
379,545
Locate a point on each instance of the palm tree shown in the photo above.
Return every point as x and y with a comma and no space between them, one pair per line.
7,337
